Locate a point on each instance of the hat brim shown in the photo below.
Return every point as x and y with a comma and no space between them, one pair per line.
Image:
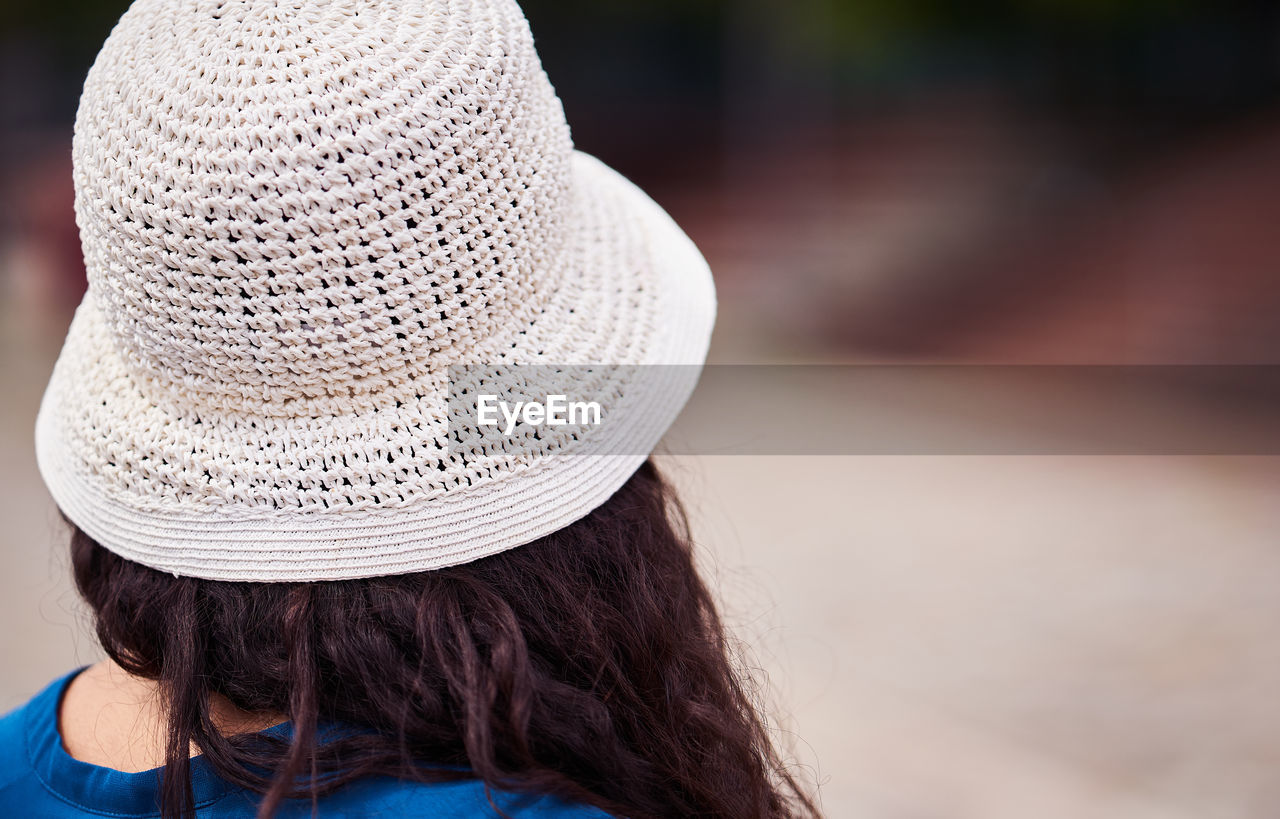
639,289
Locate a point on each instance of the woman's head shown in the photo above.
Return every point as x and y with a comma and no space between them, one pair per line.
590,664
313,236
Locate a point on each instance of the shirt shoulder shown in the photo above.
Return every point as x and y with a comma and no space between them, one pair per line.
28,733
20,784
383,796
13,746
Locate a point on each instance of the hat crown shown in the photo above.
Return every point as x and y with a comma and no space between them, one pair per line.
287,205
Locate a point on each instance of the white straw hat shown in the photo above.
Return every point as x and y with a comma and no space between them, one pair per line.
296,218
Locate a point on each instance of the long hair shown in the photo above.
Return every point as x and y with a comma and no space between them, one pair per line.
590,664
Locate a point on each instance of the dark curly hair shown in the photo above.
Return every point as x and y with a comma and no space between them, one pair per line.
590,664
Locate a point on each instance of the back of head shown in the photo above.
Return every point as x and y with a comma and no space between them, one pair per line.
299,222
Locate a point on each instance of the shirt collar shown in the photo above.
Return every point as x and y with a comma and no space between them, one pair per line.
92,787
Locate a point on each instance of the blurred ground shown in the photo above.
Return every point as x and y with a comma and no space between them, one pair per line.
1011,637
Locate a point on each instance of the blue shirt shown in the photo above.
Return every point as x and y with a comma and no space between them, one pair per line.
38,778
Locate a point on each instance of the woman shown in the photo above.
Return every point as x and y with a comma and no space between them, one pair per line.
318,238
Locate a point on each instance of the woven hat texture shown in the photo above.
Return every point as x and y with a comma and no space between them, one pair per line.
296,218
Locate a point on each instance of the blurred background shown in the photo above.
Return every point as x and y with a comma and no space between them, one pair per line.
903,181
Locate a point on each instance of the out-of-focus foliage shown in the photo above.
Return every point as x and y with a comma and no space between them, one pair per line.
1189,55
72,28
866,27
